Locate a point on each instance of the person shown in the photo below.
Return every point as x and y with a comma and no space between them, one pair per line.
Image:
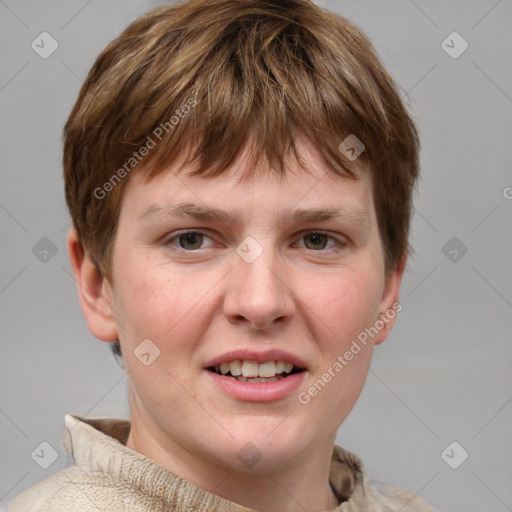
240,176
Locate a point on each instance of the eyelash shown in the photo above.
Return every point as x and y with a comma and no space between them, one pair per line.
167,242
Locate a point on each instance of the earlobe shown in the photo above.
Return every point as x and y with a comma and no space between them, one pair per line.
94,292
390,305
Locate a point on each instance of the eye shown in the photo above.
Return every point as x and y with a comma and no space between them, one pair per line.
188,240
318,241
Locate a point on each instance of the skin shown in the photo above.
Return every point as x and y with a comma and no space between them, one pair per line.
309,296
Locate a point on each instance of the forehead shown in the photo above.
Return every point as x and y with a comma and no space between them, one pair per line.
308,190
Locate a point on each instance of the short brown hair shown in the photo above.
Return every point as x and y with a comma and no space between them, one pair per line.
212,76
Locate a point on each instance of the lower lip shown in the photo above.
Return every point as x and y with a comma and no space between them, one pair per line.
258,391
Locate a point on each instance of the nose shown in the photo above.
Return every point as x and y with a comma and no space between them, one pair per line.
259,294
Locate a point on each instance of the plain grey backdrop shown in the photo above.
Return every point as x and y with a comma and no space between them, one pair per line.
440,387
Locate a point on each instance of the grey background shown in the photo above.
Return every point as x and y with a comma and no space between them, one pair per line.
444,373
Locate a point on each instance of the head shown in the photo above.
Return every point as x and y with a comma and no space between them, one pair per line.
258,108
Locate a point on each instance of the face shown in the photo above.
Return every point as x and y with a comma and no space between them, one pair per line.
291,270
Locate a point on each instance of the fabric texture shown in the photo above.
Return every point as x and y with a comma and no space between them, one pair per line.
108,476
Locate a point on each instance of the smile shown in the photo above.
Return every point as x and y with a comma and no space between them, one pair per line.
252,371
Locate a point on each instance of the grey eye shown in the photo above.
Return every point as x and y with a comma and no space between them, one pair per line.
318,240
186,240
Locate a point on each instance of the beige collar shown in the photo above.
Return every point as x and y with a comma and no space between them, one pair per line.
99,444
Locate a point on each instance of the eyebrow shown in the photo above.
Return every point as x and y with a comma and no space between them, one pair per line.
203,212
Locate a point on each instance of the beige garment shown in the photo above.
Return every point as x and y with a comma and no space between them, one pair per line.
108,476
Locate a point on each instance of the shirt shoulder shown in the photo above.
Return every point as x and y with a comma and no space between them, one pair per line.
69,490
358,493
34,497
395,499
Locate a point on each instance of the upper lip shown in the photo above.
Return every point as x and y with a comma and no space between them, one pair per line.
259,357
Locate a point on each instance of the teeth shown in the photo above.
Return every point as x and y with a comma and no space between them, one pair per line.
258,379
250,369
235,367
267,369
253,370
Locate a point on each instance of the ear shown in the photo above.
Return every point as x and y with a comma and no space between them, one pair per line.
94,291
390,305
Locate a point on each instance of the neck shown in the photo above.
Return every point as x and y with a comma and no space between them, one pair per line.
302,485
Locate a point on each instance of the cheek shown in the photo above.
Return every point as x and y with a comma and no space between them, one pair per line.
154,306
346,304
146,304
162,304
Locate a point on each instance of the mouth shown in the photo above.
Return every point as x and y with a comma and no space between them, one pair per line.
254,372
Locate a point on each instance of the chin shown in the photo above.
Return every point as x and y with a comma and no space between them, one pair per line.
266,442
